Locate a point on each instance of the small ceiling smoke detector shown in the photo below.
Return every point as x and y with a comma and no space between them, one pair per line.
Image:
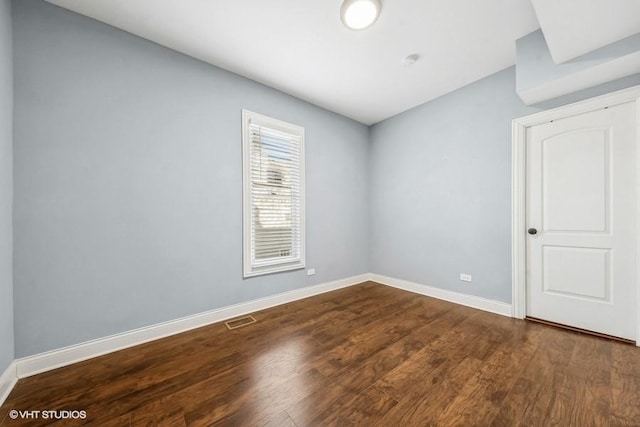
410,59
359,14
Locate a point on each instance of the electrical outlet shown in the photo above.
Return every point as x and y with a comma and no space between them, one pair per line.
311,272
465,277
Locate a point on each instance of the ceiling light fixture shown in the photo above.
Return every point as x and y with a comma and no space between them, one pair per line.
359,14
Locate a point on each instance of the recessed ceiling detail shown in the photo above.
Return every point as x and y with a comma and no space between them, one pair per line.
575,27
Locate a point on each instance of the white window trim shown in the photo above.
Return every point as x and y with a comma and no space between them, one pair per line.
269,266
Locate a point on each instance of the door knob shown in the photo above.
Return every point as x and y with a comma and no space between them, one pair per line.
532,231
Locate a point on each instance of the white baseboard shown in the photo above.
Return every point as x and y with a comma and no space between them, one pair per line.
497,307
8,380
58,358
43,362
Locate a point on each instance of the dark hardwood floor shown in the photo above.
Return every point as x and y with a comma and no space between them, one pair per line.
365,355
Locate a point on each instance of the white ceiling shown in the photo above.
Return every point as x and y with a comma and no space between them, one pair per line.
575,27
302,48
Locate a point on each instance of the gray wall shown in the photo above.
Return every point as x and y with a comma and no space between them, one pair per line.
128,183
127,179
441,187
6,187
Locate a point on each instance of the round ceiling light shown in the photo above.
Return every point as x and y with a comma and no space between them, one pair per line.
359,14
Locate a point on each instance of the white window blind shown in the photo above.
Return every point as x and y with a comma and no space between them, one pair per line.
273,195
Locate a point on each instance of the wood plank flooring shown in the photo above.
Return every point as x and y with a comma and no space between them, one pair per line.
365,355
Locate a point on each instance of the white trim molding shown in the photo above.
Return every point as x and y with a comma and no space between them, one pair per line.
8,380
39,363
43,362
518,187
290,141
492,306
518,220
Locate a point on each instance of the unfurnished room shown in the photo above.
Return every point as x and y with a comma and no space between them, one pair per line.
297,213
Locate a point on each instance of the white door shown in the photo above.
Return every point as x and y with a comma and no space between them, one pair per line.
581,206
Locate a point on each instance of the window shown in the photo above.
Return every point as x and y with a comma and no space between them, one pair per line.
273,205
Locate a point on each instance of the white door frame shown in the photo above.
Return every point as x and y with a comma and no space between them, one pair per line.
518,189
